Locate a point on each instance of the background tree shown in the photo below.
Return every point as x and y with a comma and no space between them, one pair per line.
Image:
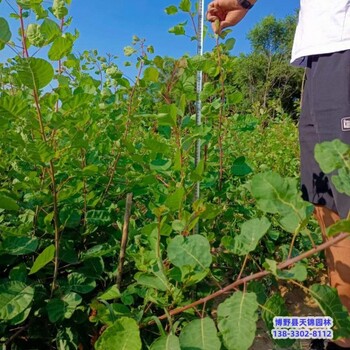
266,78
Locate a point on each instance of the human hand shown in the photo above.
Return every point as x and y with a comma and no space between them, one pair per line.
227,12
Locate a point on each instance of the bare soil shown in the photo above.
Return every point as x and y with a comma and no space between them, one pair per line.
298,304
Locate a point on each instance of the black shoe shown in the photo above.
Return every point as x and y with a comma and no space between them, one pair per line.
332,346
316,344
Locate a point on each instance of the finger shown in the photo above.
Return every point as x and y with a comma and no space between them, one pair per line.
232,19
215,14
224,24
212,12
212,18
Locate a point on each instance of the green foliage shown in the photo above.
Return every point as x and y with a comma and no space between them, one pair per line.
193,251
43,259
297,272
34,73
237,318
170,342
61,47
278,195
5,33
275,307
123,334
171,10
76,136
251,233
59,309
59,8
200,334
338,227
8,203
185,5
335,156
328,300
16,297
272,87
272,36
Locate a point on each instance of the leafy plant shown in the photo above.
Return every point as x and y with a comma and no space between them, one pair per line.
76,139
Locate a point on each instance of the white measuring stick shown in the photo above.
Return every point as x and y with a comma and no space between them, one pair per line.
199,86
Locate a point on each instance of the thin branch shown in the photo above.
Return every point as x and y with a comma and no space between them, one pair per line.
126,132
52,167
243,266
194,26
124,238
15,335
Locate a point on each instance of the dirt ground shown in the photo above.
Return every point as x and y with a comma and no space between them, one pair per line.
298,304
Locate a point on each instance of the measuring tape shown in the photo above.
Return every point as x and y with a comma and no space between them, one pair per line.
199,87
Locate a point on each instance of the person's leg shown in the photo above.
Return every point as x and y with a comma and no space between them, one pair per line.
326,103
338,261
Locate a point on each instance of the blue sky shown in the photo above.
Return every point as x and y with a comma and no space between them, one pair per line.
108,25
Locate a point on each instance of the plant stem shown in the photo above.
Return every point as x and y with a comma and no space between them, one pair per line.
293,241
125,235
23,35
51,164
126,132
15,335
243,266
83,165
221,112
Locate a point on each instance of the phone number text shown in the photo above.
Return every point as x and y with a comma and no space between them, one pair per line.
302,333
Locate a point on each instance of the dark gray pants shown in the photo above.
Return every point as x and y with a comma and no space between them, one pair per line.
325,109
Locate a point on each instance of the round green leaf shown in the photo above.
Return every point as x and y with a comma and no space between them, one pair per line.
151,281
192,251
185,5
21,245
237,318
171,10
330,154
151,74
124,334
5,33
273,307
12,106
240,167
35,73
329,302
275,194
8,203
55,310
15,297
170,342
200,334
110,294
50,30
59,309
80,283
60,48
251,233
